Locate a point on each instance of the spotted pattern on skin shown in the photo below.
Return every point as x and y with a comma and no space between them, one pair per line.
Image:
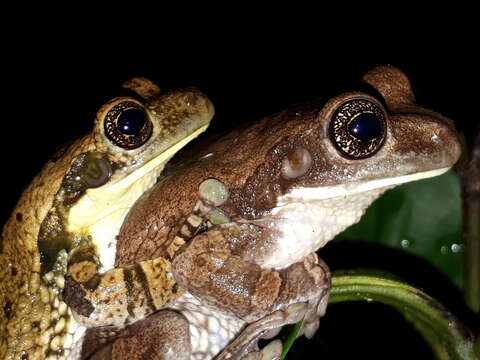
36,310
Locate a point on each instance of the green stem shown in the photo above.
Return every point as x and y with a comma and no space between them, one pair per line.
448,337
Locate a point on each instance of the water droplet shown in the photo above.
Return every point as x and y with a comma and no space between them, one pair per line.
405,243
444,249
457,248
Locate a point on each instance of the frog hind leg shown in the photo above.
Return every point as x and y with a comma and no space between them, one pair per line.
164,335
245,345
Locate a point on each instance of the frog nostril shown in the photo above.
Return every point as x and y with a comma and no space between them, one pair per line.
296,163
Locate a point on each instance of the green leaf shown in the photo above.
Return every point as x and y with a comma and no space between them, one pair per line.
421,218
292,335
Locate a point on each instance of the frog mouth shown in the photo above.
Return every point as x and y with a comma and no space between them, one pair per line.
344,190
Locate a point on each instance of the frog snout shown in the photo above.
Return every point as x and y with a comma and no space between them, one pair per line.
446,145
197,102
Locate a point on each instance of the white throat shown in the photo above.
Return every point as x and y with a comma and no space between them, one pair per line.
307,218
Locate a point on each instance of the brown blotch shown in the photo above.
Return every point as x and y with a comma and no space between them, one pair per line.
175,288
13,270
142,278
200,261
128,279
50,352
19,216
93,283
106,300
74,296
85,253
7,309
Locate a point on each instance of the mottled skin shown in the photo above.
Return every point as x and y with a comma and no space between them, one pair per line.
246,266
35,322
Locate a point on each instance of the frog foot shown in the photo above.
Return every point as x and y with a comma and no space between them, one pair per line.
317,304
270,352
314,292
245,346
313,306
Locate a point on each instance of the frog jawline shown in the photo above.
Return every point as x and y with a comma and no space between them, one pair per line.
342,190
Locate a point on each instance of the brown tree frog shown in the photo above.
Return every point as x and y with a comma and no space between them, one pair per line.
242,217
71,213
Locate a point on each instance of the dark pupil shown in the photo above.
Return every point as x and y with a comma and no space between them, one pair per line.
365,127
131,121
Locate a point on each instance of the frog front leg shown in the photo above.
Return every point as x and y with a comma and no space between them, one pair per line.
123,295
224,276
119,296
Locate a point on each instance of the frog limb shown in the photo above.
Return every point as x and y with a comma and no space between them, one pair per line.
228,280
245,346
164,336
123,295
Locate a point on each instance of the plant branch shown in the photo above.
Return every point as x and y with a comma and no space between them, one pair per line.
447,336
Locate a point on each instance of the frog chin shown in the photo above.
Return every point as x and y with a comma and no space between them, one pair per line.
307,218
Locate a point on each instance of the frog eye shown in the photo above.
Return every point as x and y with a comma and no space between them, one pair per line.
128,125
358,128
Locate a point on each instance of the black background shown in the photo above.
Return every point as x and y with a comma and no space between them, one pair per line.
54,82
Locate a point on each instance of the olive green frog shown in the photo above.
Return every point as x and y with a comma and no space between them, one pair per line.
74,208
240,219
